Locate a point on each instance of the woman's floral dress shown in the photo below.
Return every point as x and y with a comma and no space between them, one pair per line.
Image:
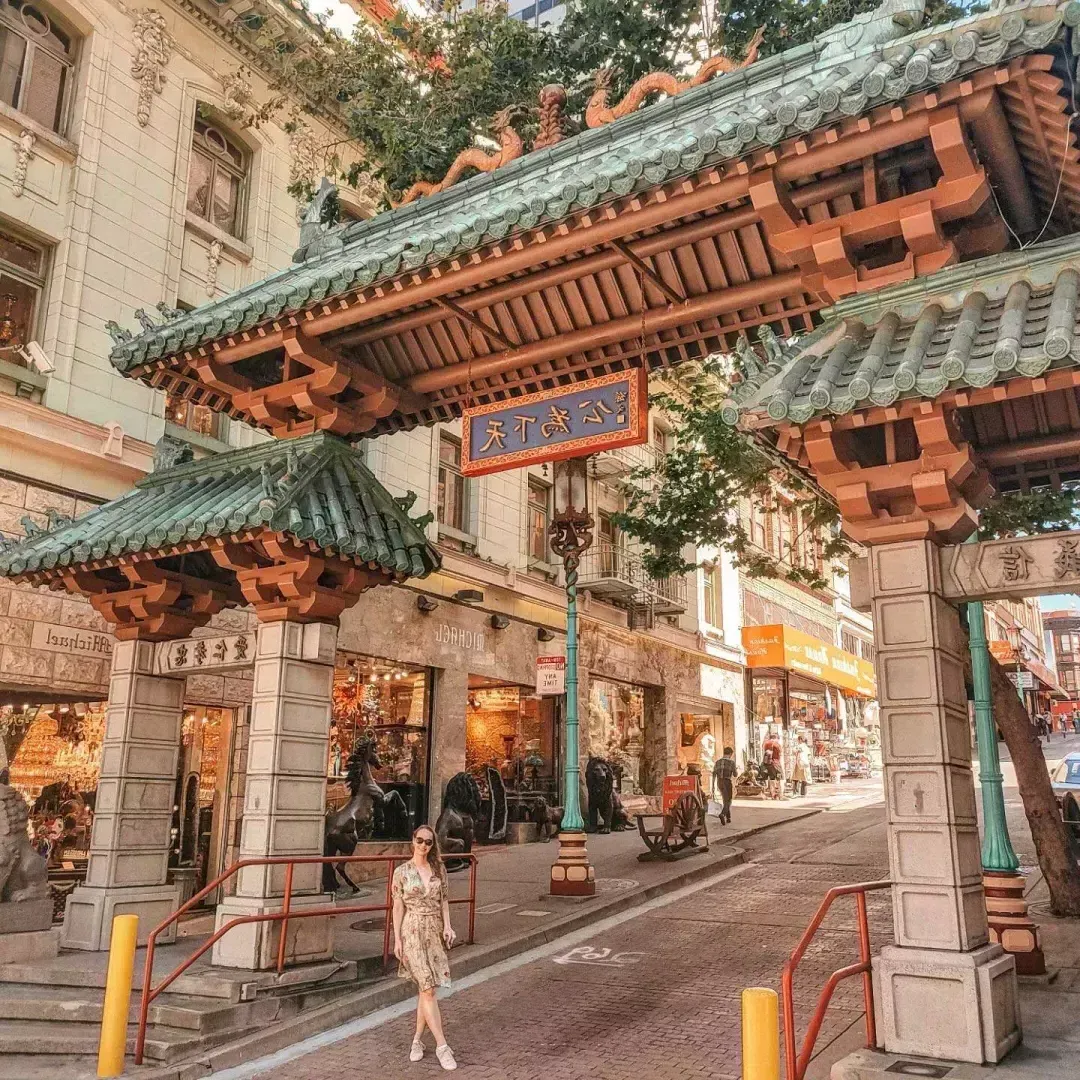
423,956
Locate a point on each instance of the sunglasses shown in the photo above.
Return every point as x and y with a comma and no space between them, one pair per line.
423,840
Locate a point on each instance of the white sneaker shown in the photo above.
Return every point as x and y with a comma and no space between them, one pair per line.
446,1057
417,1051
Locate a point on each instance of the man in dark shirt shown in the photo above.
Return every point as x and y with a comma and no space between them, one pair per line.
724,779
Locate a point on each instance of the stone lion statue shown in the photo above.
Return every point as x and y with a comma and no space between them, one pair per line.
23,875
605,806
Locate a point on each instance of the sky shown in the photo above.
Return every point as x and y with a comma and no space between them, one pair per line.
1060,602
342,17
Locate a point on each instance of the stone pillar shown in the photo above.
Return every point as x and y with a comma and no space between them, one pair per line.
943,990
129,846
284,795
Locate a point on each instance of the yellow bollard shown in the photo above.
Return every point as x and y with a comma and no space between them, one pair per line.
114,1017
760,1035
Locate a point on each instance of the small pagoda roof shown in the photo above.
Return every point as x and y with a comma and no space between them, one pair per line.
971,326
314,490
845,73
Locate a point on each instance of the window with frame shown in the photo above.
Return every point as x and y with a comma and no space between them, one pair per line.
451,506
539,517
37,56
710,585
22,282
217,178
660,439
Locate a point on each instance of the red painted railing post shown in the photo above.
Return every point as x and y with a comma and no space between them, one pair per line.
286,905
868,979
389,913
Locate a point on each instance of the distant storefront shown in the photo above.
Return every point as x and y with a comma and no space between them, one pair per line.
803,686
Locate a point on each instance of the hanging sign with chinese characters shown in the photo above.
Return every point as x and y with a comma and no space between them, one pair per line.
1012,568
569,421
206,654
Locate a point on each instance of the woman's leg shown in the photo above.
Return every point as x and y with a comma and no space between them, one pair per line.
421,1019
434,1019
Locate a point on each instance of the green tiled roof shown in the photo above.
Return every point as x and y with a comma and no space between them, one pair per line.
314,488
843,73
971,325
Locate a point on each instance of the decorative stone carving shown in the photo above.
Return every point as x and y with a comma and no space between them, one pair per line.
155,45
552,103
213,262
237,94
24,881
23,154
305,151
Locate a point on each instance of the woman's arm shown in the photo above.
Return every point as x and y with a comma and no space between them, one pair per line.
399,914
448,930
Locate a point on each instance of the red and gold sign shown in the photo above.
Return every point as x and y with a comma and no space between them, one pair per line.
569,421
677,786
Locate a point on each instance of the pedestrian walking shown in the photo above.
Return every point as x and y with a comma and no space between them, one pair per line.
769,775
724,782
800,775
421,930
1076,723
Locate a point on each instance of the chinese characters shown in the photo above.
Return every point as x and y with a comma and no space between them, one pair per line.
1067,559
1015,561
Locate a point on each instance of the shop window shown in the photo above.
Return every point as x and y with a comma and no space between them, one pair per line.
22,281
710,580
217,178
509,729
539,519
616,724
451,505
384,706
37,55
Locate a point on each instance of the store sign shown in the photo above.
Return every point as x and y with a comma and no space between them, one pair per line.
206,654
569,421
551,674
458,637
1005,654
778,646
53,637
675,787
1022,680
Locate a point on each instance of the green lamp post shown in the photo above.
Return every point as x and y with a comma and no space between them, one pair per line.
1006,909
571,535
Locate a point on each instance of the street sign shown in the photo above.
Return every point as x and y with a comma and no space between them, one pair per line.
568,421
1022,680
551,674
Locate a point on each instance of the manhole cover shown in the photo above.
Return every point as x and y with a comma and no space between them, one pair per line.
919,1068
615,885
369,924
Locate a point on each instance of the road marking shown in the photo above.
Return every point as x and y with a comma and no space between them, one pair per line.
529,914
404,1008
494,909
587,954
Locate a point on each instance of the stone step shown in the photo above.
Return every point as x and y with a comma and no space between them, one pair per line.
48,1067
201,983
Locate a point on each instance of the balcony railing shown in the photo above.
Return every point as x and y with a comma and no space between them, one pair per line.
614,574
618,464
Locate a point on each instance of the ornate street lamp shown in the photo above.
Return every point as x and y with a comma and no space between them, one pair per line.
571,533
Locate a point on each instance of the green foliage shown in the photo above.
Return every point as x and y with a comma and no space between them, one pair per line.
1018,514
700,493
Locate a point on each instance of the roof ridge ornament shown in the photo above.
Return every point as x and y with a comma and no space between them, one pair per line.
597,112
473,157
890,20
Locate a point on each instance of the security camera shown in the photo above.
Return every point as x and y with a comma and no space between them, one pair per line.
37,357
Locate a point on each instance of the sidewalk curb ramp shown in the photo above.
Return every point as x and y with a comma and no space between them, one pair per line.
390,990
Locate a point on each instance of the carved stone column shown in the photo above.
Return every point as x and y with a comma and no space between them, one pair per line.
129,845
943,990
284,795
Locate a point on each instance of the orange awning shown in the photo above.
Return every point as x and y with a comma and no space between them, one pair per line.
778,646
1004,653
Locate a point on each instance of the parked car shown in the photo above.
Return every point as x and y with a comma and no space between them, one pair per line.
1066,777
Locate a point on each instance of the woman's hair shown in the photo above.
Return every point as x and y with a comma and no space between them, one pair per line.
435,858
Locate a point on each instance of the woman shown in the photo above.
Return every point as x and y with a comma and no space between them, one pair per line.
421,926
800,775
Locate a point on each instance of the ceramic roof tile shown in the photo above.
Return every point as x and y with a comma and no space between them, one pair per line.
314,489
1017,317
845,71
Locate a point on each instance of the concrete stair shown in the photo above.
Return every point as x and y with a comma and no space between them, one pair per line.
50,1014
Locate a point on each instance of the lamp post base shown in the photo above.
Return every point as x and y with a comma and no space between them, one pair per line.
571,873
1010,925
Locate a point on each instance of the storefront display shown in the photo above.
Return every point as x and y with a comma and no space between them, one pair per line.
616,729
389,703
702,738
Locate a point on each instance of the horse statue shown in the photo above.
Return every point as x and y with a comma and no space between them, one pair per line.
370,812
456,827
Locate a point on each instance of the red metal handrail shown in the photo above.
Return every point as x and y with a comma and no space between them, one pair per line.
798,1062
284,916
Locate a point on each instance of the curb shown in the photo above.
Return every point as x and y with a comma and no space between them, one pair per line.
390,990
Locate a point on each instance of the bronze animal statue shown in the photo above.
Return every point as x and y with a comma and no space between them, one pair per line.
23,875
605,807
473,157
456,827
548,818
597,112
369,813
